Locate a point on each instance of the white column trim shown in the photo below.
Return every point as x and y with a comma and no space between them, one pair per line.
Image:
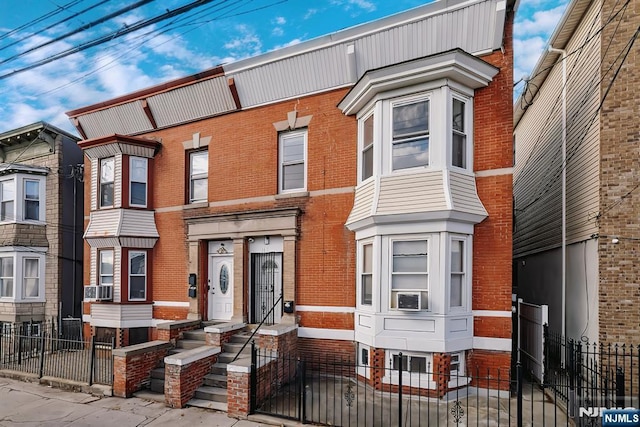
326,334
495,344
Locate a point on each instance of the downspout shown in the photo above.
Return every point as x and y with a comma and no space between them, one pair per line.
564,186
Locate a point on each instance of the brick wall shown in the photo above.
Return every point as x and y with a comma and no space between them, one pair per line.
312,347
132,366
181,381
238,394
489,369
619,287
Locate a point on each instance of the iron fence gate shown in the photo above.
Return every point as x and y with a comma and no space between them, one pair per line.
266,284
331,390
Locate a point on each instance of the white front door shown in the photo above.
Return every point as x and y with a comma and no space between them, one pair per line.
220,287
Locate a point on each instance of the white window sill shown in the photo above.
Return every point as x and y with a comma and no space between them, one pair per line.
292,195
459,382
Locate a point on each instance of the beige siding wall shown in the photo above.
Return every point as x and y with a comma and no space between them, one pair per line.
412,193
538,170
363,202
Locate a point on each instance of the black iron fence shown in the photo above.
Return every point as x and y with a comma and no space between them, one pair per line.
337,391
41,350
588,377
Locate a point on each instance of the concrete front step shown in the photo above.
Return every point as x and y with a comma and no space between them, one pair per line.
215,380
235,347
241,338
196,335
208,404
156,385
215,394
189,344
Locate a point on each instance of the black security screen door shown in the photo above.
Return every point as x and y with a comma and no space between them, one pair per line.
266,286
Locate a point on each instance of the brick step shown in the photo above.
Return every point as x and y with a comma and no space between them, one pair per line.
208,404
215,394
215,380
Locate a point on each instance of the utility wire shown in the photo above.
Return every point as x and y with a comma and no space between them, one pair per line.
40,19
78,30
55,24
109,37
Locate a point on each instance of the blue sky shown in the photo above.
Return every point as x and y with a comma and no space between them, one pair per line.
219,32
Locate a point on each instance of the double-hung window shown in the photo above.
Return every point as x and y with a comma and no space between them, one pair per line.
367,147
106,268
107,176
7,200
137,276
6,277
457,283
31,199
292,152
198,176
409,275
366,275
138,185
458,135
410,134
31,277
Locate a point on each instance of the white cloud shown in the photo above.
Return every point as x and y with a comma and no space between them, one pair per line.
277,31
289,43
280,20
310,13
354,5
542,22
246,44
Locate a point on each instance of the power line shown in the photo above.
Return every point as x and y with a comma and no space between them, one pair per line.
77,30
55,24
40,19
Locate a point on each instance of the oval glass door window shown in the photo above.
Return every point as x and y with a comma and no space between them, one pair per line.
224,279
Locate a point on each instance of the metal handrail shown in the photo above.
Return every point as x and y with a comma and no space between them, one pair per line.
256,329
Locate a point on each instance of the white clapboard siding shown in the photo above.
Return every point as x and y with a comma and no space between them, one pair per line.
537,177
464,195
117,315
117,283
103,223
93,268
411,193
117,183
363,202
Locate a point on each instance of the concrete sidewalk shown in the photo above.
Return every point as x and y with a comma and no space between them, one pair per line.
28,404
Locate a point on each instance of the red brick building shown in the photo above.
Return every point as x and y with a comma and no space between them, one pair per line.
357,186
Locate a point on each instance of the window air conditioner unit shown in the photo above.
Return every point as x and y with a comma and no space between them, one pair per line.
408,301
98,293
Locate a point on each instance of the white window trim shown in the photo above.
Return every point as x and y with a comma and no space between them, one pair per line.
146,181
363,367
360,258
284,135
468,130
458,378
100,275
374,145
145,275
466,284
199,176
19,182
18,273
430,298
415,379
405,100
12,277
100,182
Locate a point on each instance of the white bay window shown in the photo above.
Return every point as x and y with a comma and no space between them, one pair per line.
410,134
22,275
409,275
22,198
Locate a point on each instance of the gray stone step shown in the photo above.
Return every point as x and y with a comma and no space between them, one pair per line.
235,347
215,380
189,344
241,338
208,404
215,394
157,373
157,385
219,368
196,334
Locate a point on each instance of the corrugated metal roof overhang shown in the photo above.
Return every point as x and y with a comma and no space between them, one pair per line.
559,39
456,65
197,100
